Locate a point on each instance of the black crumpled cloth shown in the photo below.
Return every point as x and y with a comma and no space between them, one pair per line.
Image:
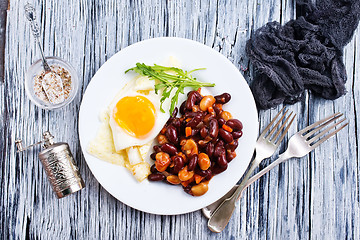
306,53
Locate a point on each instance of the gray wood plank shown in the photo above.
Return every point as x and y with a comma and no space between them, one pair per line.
3,12
313,197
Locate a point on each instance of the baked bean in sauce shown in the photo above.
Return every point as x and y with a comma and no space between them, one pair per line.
203,131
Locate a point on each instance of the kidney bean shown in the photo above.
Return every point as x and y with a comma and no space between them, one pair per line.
192,114
172,135
213,128
225,135
178,163
221,160
175,112
200,125
153,156
232,145
170,170
198,97
197,94
219,147
176,123
210,149
217,169
230,155
237,134
209,175
203,114
190,102
223,98
208,117
169,121
183,108
187,189
204,132
181,154
194,121
221,122
200,172
194,131
193,162
169,148
157,148
183,123
156,177
217,108
235,124
153,169
218,151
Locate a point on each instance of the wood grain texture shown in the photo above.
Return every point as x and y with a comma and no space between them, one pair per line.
3,12
315,197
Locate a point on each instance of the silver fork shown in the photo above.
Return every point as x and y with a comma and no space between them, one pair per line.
265,146
299,145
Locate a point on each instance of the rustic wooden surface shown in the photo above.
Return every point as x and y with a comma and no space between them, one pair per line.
3,12
315,197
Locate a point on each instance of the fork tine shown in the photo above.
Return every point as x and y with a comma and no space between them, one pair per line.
314,138
328,136
322,126
271,123
281,128
317,123
276,125
285,131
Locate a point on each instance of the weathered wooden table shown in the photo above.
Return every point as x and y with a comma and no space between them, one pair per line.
313,197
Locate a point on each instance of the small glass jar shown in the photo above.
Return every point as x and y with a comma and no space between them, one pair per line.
36,68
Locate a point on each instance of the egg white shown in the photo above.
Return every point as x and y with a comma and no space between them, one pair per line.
141,86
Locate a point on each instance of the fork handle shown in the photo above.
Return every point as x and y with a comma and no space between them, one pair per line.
241,186
223,212
209,210
222,215
282,157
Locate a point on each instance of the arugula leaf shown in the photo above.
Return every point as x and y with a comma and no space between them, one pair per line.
168,82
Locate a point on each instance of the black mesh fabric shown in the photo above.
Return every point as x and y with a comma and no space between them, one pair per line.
306,53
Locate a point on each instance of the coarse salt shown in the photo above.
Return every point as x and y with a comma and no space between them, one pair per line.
50,88
53,87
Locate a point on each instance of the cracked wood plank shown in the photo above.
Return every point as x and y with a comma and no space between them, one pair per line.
309,198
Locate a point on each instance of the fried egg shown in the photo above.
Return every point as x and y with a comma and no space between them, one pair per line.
130,124
135,116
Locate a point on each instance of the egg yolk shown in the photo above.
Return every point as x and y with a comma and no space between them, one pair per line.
136,115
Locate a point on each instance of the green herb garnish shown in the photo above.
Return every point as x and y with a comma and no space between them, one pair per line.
167,82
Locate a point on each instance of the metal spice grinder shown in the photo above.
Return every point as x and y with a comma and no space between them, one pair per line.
59,164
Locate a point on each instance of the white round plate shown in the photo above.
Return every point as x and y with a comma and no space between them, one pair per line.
159,197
